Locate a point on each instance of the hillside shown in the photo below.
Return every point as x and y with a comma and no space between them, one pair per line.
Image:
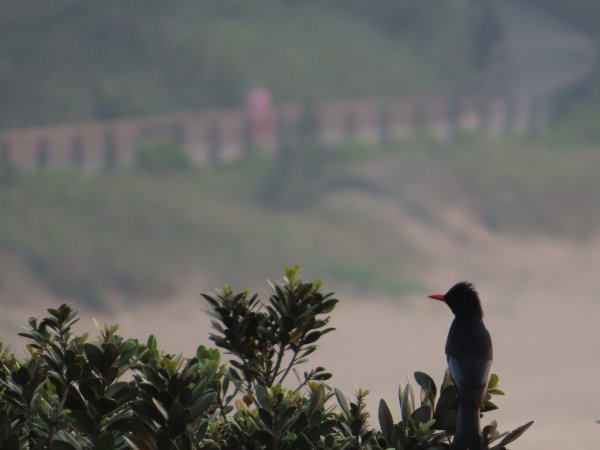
68,60
359,217
581,116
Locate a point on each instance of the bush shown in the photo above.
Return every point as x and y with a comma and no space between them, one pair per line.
118,393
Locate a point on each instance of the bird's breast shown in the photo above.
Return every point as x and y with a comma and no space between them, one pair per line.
468,338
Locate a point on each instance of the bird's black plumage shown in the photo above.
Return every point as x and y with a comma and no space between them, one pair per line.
469,354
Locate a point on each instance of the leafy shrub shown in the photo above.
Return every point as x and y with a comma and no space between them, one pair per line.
117,393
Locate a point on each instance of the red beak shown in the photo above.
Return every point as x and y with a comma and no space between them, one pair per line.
439,297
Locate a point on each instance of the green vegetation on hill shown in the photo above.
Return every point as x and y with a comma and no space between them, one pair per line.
133,233
68,60
137,234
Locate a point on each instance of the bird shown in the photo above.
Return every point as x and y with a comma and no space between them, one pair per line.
469,355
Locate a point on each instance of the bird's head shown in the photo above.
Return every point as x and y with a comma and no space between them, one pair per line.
462,299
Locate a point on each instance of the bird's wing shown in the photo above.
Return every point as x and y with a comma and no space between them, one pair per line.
470,376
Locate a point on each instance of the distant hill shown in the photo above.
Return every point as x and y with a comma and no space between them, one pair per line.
68,60
133,235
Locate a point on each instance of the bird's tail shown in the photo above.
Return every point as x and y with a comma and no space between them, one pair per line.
467,435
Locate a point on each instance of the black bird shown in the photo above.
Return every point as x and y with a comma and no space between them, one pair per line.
469,355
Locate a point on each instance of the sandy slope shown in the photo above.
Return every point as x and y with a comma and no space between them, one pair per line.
542,305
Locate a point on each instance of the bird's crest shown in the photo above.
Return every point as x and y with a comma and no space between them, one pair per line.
463,298
463,288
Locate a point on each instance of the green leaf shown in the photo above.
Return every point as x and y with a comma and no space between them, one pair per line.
515,434
290,437
111,353
356,425
342,401
422,414
493,381
328,306
426,383
495,392
160,408
202,353
287,323
406,407
322,376
21,376
488,431
57,379
311,337
90,388
264,437
448,401
120,421
262,398
179,417
74,372
425,427
83,422
266,417
201,432
119,390
94,355
306,443
315,419
300,423
489,406
386,420
291,274
70,357
317,400
203,403
106,405
151,343
54,312
264,331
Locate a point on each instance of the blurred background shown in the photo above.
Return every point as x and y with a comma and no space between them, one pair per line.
151,151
